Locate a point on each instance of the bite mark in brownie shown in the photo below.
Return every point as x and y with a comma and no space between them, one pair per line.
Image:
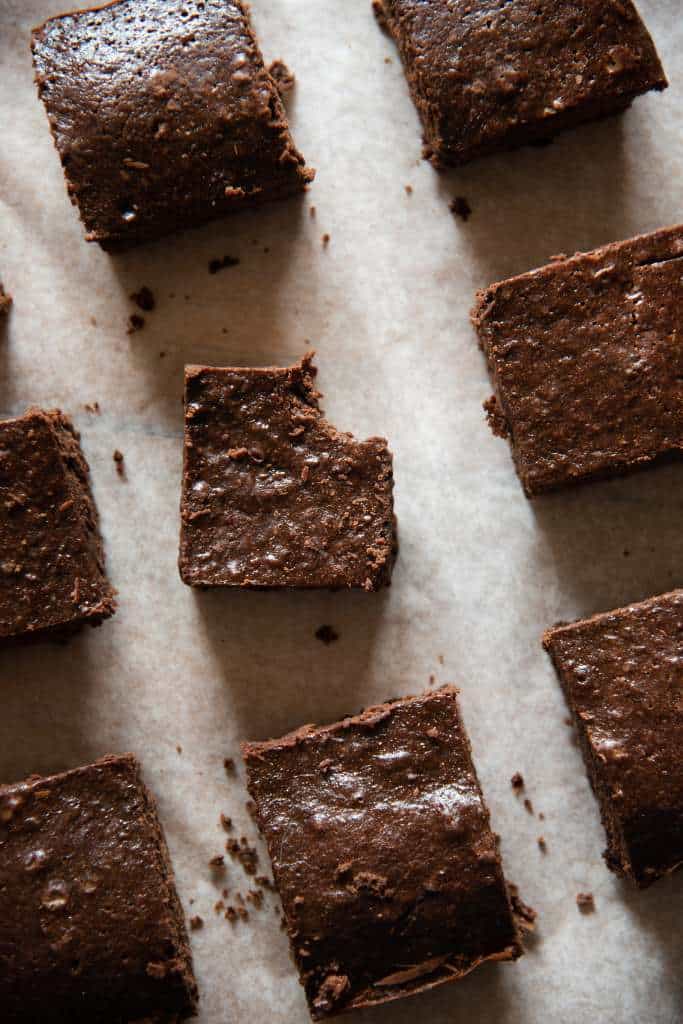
91,928
164,116
273,496
382,853
586,361
52,578
622,675
487,75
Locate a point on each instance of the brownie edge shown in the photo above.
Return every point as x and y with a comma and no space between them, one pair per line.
382,853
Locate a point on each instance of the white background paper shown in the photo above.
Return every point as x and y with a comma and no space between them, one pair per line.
481,571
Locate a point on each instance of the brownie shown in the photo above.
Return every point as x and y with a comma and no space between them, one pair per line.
488,75
586,363
52,578
164,116
272,494
382,853
622,674
5,300
91,928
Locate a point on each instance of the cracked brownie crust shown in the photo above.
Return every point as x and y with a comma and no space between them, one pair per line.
91,928
382,852
52,578
586,361
164,116
487,75
273,495
622,675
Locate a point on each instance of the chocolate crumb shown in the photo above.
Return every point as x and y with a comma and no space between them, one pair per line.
179,749
251,808
528,806
93,407
282,76
246,854
264,882
327,634
196,922
118,459
217,264
230,914
460,207
312,212
144,299
325,240
517,782
226,822
229,764
409,190
217,862
135,323
585,902
542,845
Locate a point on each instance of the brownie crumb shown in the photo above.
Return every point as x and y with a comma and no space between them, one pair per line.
585,902
409,190
325,240
255,896
217,862
246,854
93,407
542,845
179,749
135,323
528,806
517,782
196,922
251,809
217,264
460,207
229,764
226,822
118,459
327,634
264,882
282,76
312,212
144,299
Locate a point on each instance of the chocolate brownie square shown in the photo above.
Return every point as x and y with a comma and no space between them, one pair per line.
91,928
164,116
586,361
488,75
52,578
273,496
382,852
622,674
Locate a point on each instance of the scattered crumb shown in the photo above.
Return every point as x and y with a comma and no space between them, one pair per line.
283,77
217,862
226,822
179,749
251,809
229,764
247,855
541,816
162,355
135,323
409,190
524,914
542,845
219,907
388,60
585,902
312,212
325,240
264,882
528,806
93,321
255,896
217,264
517,782
196,922
144,299
118,459
460,207
327,634
626,553
440,659
266,249
93,407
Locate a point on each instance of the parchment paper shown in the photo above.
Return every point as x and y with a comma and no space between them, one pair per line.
481,571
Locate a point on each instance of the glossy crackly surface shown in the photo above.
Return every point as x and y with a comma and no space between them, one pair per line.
163,115
90,924
623,677
273,495
382,852
51,561
586,361
491,74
